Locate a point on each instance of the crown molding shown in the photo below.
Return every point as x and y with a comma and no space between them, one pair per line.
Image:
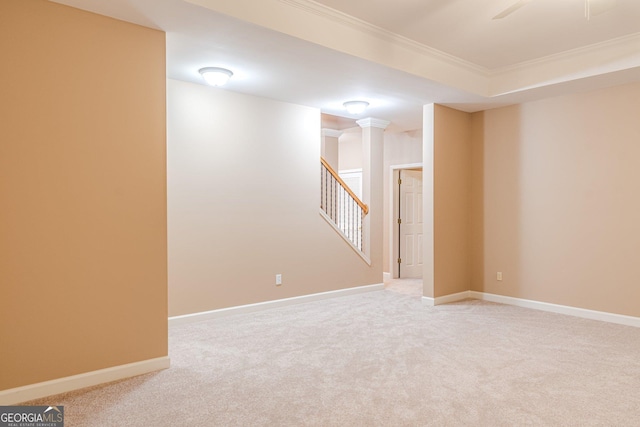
629,42
372,122
313,22
357,24
600,58
612,55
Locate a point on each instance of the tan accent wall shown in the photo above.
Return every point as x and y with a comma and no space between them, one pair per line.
451,200
556,200
83,269
244,199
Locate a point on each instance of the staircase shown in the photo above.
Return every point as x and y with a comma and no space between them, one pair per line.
341,207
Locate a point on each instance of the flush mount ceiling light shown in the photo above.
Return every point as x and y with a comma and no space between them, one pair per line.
355,107
216,76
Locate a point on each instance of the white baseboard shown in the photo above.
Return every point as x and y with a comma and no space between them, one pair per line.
445,299
603,316
75,382
251,308
386,276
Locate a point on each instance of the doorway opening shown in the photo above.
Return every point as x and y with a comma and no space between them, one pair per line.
406,233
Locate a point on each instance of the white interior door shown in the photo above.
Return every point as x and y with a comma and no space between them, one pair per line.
410,223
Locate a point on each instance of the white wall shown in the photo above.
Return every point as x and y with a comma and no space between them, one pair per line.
350,149
243,203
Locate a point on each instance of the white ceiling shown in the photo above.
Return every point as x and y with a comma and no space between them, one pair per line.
464,28
397,54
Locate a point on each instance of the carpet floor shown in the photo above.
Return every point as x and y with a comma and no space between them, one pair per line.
380,359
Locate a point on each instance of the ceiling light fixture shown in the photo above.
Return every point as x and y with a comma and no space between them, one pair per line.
356,107
216,76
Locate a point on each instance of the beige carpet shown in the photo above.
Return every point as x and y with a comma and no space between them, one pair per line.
381,359
412,287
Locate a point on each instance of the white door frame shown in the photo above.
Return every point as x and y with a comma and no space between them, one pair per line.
394,196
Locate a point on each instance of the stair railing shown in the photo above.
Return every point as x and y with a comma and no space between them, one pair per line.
341,204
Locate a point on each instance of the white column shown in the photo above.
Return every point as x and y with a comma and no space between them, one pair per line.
329,149
427,200
373,187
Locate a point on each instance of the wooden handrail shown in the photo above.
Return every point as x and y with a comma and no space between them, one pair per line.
333,173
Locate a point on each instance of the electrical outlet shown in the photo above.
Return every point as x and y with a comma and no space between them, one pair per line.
499,275
278,279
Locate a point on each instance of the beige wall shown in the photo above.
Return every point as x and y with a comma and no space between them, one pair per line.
451,200
559,203
82,183
243,199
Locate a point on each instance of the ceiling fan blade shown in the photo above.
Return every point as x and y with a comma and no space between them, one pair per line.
508,11
596,7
